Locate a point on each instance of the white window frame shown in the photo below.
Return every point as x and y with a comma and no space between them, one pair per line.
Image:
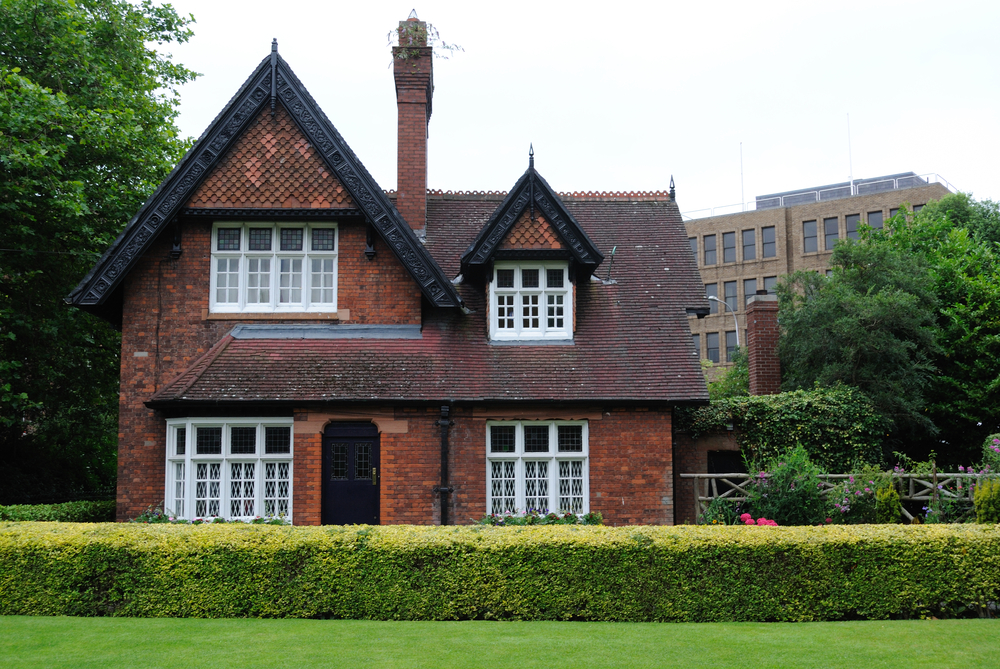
186,487
519,458
543,332
275,256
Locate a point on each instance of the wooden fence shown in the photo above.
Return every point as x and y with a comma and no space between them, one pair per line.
911,487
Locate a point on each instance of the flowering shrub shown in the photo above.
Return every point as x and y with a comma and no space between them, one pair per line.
747,519
788,490
534,517
991,452
869,496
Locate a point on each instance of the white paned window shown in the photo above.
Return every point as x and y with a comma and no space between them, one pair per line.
231,468
531,301
266,267
537,466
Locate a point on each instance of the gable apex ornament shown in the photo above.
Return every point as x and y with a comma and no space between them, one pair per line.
272,77
531,191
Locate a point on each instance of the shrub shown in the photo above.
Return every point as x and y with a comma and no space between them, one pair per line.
691,573
987,498
537,518
837,426
991,452
68,512
888,506
866,496
787,489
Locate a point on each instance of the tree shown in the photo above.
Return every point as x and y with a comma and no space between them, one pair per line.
87,107
911,317
869,326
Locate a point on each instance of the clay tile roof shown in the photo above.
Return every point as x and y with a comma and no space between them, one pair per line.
632,342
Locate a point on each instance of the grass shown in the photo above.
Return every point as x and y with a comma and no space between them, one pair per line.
134,642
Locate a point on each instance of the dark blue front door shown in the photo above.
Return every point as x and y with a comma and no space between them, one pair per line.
350,474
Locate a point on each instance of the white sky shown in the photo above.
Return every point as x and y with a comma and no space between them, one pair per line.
619,96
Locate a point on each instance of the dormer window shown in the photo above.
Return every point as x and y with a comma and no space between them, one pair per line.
268,268
531,301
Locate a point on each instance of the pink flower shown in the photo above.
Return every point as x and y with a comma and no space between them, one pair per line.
763,521
745,517
829,520
748,521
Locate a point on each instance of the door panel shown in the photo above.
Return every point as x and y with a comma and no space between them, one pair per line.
350,474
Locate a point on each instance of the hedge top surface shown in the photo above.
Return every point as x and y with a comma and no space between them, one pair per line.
480,537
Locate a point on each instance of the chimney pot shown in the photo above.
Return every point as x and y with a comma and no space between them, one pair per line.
413,72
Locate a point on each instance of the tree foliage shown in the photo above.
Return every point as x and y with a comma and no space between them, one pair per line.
911,317
87,106
735,380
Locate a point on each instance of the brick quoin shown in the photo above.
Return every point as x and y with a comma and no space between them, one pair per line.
762,345
413,72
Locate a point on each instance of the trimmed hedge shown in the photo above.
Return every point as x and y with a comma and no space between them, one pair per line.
690,573
67,512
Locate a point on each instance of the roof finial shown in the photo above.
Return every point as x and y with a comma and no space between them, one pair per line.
413,15
274,67
673,192
531,156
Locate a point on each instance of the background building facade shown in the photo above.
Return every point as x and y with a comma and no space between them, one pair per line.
740,253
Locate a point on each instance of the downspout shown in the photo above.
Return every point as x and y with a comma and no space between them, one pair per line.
444,488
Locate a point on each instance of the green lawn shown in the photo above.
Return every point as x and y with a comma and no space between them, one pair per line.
190,643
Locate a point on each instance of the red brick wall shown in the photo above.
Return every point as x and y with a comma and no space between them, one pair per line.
762,345
631,471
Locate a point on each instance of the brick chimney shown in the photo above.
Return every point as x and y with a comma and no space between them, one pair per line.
762,344
412,65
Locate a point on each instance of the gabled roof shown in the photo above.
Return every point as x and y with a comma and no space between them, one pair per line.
531,191
272,83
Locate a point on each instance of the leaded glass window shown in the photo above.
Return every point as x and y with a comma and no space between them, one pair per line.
338,461
225,473
537,466
362,460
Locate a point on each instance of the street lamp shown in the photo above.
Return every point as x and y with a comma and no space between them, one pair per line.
735,322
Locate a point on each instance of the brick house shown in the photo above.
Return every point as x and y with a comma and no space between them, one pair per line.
297,341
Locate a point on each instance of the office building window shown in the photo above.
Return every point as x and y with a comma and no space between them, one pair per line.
830,232
712,346
693,241
696,341
712,290
709,244
852,225
728,247
809,237
729,289
749,289
730,345
917,208
749,245
875,219
768,245
770,283
893,212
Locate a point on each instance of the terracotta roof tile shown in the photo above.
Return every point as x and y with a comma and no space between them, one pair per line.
271,166
531,234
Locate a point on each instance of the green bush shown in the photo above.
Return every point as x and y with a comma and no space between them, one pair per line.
888,506
787,489
838,427
987,499
690,573
68,512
